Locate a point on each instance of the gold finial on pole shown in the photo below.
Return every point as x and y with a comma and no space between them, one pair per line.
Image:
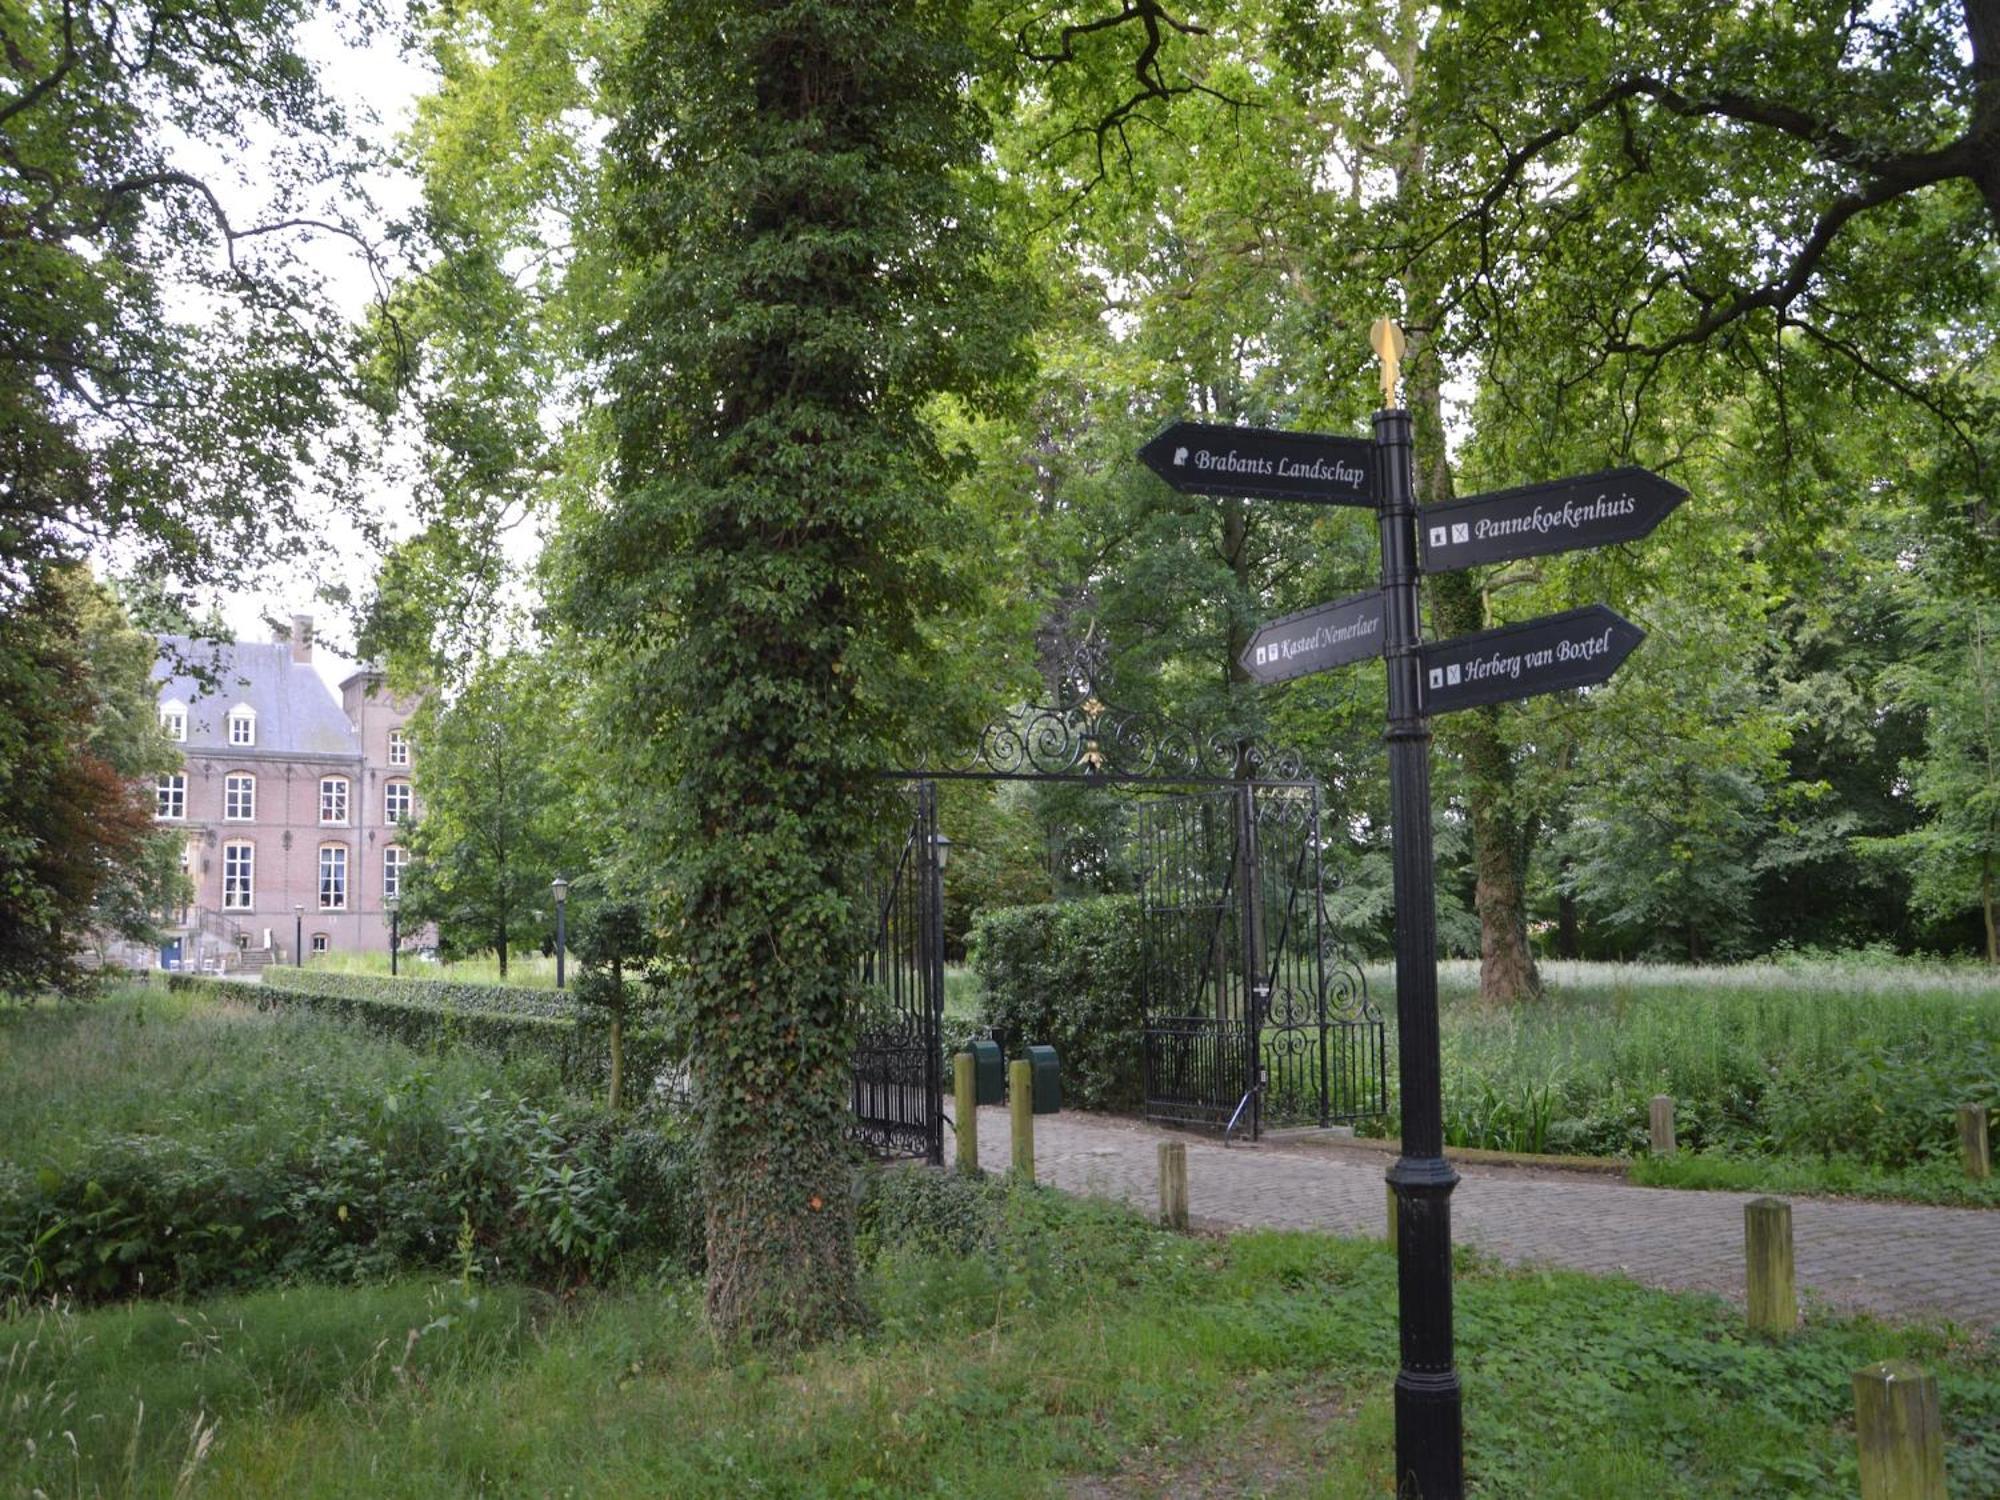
1388,341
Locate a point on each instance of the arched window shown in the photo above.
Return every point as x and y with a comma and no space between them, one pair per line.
333,799
239,797
243,725
394,858
333,877
239,862
396,801
174,720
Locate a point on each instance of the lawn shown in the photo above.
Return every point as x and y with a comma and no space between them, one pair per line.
1023,1343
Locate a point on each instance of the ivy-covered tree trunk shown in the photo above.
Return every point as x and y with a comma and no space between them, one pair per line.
809,273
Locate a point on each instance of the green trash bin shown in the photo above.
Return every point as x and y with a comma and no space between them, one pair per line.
989,1072
1045,1073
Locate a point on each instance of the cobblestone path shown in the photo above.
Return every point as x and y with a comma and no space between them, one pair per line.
1894,1260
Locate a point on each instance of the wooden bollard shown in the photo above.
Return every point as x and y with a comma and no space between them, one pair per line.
1663,1124
1391,1187
1900,1432
1767,1256
1973,1145
1173,1185
1021,1107
965,1112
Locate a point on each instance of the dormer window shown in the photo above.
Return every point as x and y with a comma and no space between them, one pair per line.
174,721
242,725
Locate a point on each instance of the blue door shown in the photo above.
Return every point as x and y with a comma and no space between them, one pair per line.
170,954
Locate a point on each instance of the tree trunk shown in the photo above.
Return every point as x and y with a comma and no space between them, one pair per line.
1569,942
1500,835
617,1035
1986,901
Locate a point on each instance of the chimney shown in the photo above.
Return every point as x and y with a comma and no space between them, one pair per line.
302,638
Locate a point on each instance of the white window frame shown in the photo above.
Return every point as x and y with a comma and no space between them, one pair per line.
338,818
395,860
170,792
174,721
239,886
390,813
245,783
321,943
399,747
327,886
242,725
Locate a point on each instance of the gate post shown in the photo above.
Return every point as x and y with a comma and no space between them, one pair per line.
931,934
1429,1400
1256,988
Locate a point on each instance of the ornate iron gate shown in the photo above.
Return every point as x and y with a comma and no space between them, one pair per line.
1254,1013
898,1101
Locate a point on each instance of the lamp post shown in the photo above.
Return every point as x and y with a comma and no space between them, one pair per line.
298,936
395,905
561,888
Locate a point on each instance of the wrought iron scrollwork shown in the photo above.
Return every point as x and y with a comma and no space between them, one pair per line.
1080,735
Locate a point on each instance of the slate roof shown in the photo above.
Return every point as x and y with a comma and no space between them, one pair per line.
296,712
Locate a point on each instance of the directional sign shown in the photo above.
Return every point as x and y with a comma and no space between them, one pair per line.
1323,468
1327,635
1578,648
1592,510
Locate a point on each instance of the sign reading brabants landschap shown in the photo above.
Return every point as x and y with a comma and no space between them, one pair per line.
1592,510
1579,648
1327,635
1321,468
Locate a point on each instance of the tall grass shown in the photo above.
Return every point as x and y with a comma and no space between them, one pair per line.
242,1084
1861,1063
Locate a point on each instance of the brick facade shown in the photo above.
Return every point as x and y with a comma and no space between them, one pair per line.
291,799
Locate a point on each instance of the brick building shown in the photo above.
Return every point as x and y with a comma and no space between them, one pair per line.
291,798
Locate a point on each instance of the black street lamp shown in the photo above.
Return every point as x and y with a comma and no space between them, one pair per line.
561,888
298,936
395,905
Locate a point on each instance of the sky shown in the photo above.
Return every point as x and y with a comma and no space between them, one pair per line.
379,87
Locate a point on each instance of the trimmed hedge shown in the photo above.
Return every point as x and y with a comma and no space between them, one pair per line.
1068,974
518,1023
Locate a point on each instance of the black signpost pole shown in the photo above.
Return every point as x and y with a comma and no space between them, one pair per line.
1429,1447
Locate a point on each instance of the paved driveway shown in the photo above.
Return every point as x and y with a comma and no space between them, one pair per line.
1894,1260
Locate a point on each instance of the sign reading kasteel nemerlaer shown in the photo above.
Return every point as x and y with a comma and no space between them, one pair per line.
1591,510
1579,648
1201,458
1327,635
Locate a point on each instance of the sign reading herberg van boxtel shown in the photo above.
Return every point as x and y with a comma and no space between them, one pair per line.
1201,458
1579,648
1591,510
1327,635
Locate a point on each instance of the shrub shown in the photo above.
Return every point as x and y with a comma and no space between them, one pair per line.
492,1187
1068,974
505,1022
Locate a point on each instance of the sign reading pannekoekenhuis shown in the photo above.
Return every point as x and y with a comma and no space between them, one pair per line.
1591,510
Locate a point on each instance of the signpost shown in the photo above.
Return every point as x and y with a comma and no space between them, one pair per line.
1327,635
1579,648
1199,458
1592,510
